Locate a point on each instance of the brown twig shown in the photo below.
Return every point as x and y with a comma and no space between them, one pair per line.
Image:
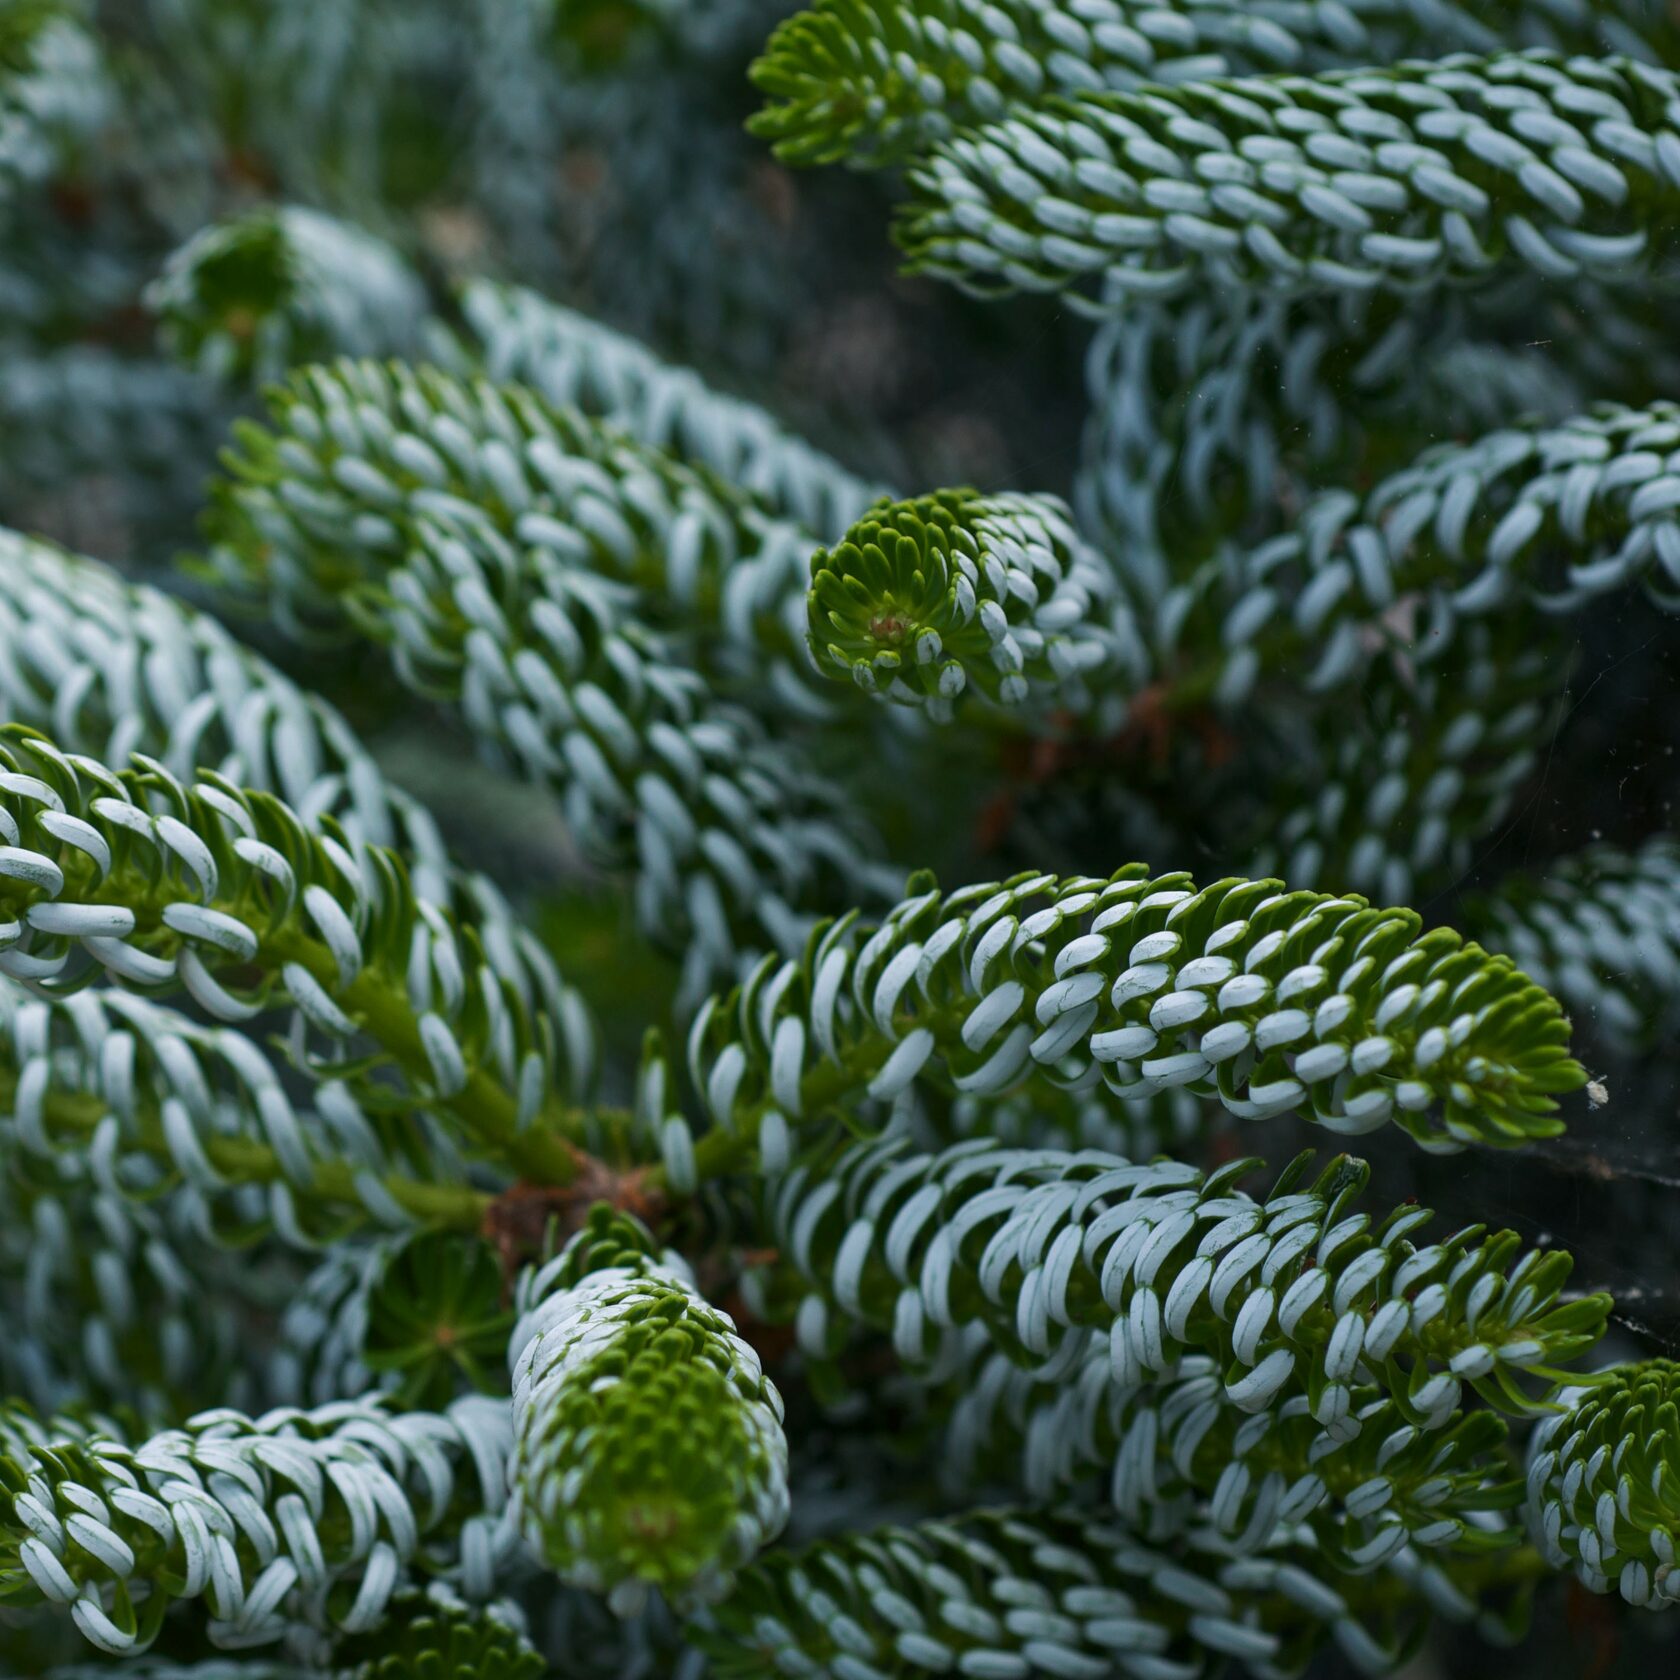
526,1220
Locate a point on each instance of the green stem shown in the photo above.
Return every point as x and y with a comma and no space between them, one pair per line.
243,1160
484,1107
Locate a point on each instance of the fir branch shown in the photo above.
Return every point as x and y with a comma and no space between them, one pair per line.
1389,790
1398,179
247,298
152,1102
959,592
54,93
648,1443
473,562
871,83
1213,417
1293,1296
1558,514
1600,929
1180,1454
573,361
233,898
438,1319
1269,1000
1046,1595
437,1636
293,1517
111,669
1601,1484
501,468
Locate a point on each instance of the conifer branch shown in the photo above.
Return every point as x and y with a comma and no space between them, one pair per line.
648,1442
1180,1454
1266,999
245,299
296,1516
958,592
1035,1595
871,83
572,361
1399,180
396,450
1601,1484
161,1102
110,669
297,1111
1293,1297
1556,514
234,899
481,516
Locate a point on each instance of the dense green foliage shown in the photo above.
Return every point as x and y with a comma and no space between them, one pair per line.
652,925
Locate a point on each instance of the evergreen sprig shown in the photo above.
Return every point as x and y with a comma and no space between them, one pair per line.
877,82
1294,1296
1557,514
493,535
1549,516
959,592
1180,1455
294,1516
648,1442
111,668
1601,1483
149,1101
1396,179
1045,1595
395,450
232,898
1267,999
